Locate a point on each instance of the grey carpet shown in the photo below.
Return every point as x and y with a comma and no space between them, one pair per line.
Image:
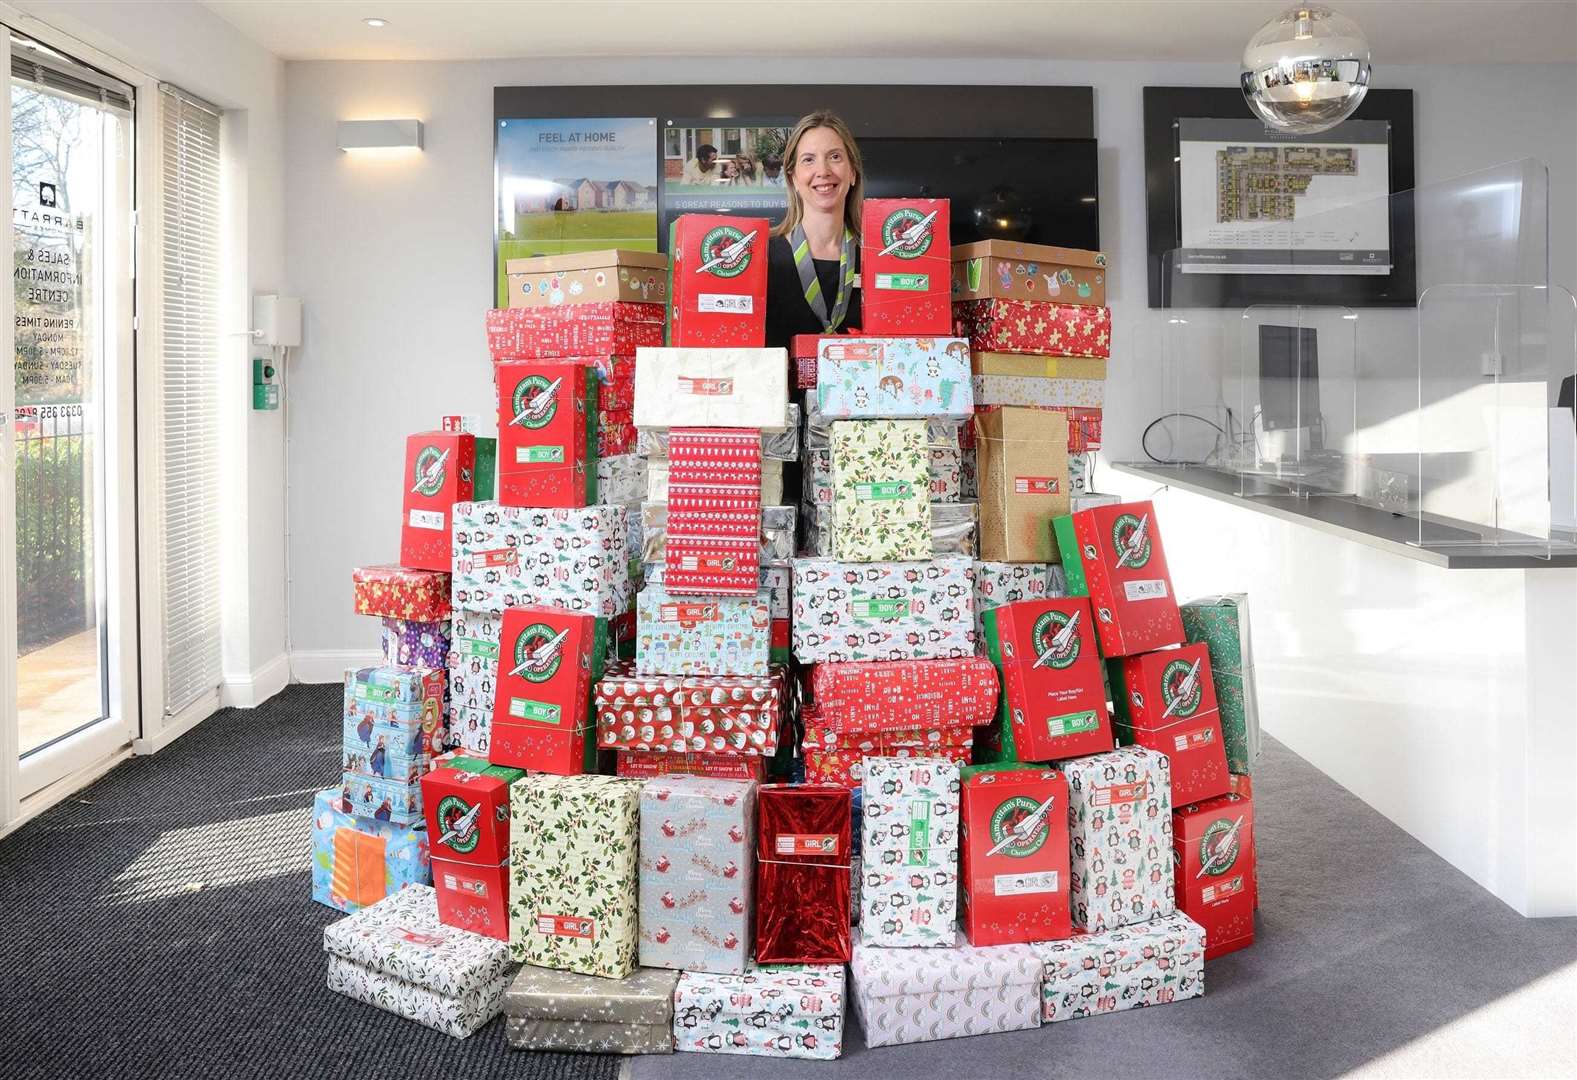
158,924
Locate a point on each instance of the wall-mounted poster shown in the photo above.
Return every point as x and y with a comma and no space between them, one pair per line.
577,184
724,166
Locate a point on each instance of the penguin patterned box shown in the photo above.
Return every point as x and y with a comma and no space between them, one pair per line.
473,661
1148,963
883,611
510,556
881,508
560,1010
893,377
909,891
400,592
692,635
1119,838
359,861
397,956
607,328
697,873
917,995
783,1011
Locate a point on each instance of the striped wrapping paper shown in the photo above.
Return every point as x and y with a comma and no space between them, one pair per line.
714,511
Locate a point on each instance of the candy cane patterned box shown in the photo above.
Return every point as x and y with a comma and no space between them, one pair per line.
510,556
1119,838
1147,963
909,895
916,995
883,611
782,1011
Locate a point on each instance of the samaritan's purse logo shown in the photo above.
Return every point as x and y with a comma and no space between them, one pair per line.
535,402
428,478
1174,683
1049,651
1218,848
538,653
460,836
897,223
1132,541
724,252
1005,819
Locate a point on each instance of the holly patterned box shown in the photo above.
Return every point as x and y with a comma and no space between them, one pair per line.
562,1010
400,592
1021,326
396,955
880,491
573,869
909,891
510,556
609,328
916,995
782,1011
893,377
1221,622
1130,967
359,861
883,611
697,873
1119,838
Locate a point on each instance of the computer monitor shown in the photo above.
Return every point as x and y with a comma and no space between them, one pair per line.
1289,380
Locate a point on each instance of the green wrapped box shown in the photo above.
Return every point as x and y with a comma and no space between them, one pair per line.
1221,623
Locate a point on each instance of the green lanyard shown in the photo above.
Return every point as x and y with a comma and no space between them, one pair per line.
812,284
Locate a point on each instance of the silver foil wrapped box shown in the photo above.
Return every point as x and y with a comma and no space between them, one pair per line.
564,1010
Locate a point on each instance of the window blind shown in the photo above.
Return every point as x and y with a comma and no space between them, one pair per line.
189,378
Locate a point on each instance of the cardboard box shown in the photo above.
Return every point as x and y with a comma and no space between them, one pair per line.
610,328
880,491
714,512
1023,479
1019,271
695,714
1221,624
439,472
894,377
697,873
645,764
1053,689
401,592
1019,326
561,1010
719,635
510,556
1118,555
1036,392
883,611
359,861
909,891
905,266
711,387
547,413
1014,876
1167,701
903,694
1119,838
416,644
549,660
916,995
718,282
473,897
1213,855
1131,967
802,883
793,1011
1036,366
587,277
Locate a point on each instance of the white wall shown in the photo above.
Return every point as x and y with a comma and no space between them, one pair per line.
392,257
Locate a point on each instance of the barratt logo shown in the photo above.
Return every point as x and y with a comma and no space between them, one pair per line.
428,476
907,233
1018,827
1218,848
1180,688
1056,639
1131,538
725,251
535,402
459,819
539,651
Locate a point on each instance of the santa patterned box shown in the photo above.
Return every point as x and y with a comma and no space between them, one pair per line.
713,714
1014,868
610,328
862,378
715,635
397,956
400,592
900,694
510,556
1147,963
909,893
359,861
883,611
1113,554
717,281
738,387
880,491
697,873
803,881
416,644
560,1010
714,512
905,266
1213,852
917,995
783,1011
1019,326
1166,700
573,868
998,583
1221,623
1036,392
1119,838
645,764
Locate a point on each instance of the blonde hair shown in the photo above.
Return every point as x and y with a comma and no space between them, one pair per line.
853,202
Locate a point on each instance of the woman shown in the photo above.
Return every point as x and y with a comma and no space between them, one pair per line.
813,259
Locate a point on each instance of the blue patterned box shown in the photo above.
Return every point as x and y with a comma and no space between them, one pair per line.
894,377
357,861
693,635
392,701
514,556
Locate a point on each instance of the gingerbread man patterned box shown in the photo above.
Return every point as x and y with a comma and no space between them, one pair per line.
1148,963
916,995
1019,326
883,611
909,889
783,1011
1119,838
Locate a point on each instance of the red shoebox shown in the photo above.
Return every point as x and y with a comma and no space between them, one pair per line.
1243,785
717,281
1053,689
440,468
465,802
645,764
802,874
1213,848
611,328
714,512
906,267
399,592
1036,328
545,412
548,659
882,694
1166,701
1124,564
473,897
1014,885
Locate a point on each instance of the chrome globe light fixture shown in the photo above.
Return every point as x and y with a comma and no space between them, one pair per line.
1306,70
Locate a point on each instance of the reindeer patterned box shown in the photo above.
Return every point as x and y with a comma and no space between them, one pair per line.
858,378
782,1011
912,995
1119,838
713,635
509,556
883,611
881,509
909,893
1148,963
697,873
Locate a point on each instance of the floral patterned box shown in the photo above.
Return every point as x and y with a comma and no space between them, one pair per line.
782,1011
909,893
713,635
359,861
561,1010
1147,963
1119,838
893,377
883,611
510,556
916,995
880,491
398,592
1022,326
573,869
397,956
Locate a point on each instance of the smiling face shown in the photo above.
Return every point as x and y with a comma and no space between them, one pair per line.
821,171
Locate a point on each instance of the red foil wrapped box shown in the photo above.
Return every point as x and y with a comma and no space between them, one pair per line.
440,470
802,874
1023,326
1213,849
714,512
1119,550
645,764
1166,701
738,714
611,328
401,592
897,694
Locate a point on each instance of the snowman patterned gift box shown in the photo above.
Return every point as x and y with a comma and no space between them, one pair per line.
573,868
1119,838
510,556
782,1011
397,956
883,611
560,1010
909,893
892,377
1147,963
702,635
697,873
917,995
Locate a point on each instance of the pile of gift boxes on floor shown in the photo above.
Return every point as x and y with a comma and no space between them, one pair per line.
715,767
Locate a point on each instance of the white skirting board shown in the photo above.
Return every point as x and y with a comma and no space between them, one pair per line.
328,665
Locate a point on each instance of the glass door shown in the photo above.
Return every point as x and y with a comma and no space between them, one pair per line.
72,243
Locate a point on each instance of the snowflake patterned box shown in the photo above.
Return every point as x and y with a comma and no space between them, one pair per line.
401,592
561,1010
357,861
1213,852
573,869
715,635
714,512
905,266
1221,622
1014,869
909,892
867,378
1131,967
737,388
511,556
1119,838
416,644
881,510
1019,326
678,714
397,956
1166,700
883,611
802,879
783,1011
697,873
912,995
609,328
